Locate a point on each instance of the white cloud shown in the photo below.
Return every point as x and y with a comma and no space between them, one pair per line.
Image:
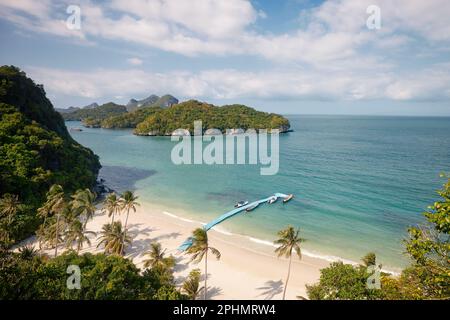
232,84
135,61
330,55
332,31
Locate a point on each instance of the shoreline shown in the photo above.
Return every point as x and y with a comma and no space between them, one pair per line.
248,268
245,270
258,244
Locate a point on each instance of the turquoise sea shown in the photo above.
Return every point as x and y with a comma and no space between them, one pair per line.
358,181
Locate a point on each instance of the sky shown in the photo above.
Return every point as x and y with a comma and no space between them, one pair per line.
285,56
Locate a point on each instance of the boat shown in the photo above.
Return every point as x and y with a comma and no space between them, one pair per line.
289,197
240,204
76,129
253,207
272,200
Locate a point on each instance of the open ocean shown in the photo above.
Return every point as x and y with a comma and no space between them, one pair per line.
358,181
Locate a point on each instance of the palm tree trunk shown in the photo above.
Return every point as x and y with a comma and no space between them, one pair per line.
287,278
206,272
56,235
112,219
124,232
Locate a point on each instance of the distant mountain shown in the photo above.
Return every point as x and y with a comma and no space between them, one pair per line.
70,109
133,104
94,113
73,109
152,101
166,101
91,106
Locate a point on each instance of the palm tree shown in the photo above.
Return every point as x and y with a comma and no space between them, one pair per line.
200,248
191,286
78,234
288,241
9,206
128,202
56,204
83,204
113,238
112,205
157,258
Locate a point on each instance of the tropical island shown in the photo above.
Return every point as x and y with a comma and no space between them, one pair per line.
48,198
160,117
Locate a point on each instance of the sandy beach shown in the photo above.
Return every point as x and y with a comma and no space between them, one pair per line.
246,270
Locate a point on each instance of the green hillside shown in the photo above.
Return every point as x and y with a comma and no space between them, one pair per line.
36,149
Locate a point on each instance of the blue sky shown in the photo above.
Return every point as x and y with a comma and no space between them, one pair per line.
292,56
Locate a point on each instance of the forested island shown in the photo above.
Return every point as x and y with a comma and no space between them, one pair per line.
161,118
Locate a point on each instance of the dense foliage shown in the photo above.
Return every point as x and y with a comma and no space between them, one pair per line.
342,281
129,119
94,116
183,115
36,151
106,277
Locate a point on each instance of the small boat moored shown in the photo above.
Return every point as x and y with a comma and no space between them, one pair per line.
240,204
253,207
76,129
289,197
272,200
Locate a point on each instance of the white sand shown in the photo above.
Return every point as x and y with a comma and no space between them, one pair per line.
246,270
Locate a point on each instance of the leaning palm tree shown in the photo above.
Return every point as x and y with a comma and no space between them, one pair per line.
288,241
128,202
83,204
56,205
199,249
157,258
113,238
77,233
9,206
191,286
111,205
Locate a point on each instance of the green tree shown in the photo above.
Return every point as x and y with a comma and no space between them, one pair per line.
289,241
9,207
128,202
77,233
113,238
157,258
104,277
111,205
83,204
369,259
199,250
429,248
56,205
191,286
342,281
